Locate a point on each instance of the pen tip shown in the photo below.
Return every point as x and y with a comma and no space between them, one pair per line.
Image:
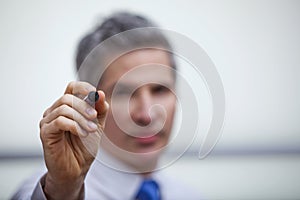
93,96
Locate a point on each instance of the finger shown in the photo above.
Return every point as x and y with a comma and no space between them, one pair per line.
79,88
61,124
78,104
65,99
76,88
101,107
68,112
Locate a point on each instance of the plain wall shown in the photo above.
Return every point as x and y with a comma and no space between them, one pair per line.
254,45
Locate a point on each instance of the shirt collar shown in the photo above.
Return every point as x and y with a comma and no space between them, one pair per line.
119,183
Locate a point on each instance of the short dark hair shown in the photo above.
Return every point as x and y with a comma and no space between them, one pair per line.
117,23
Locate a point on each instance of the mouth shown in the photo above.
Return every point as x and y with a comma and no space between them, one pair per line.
147,141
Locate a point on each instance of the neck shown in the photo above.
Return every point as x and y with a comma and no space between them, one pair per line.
144,163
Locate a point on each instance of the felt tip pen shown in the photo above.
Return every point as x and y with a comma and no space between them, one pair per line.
92,98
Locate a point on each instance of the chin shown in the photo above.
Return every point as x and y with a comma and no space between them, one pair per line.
144,162
140,159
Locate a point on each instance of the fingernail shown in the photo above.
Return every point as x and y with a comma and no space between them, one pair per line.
91,111
92,125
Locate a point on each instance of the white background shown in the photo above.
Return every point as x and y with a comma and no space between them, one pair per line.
255,46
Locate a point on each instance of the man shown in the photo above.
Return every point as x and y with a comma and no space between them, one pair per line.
126,137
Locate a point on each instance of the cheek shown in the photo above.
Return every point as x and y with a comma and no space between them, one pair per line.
170,108
113,132
109,125
112,128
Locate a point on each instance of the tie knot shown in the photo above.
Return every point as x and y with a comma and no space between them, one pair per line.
149,190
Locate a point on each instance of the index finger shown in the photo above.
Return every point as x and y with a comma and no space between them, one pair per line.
79,88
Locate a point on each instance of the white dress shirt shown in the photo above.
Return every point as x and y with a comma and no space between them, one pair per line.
105,183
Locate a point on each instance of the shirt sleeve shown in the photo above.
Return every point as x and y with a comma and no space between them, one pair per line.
38,192
31,188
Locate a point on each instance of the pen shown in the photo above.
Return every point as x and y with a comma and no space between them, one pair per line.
92,98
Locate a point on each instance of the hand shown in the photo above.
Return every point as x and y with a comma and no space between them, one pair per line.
70,132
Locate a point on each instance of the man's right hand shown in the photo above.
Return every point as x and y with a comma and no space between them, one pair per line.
70,132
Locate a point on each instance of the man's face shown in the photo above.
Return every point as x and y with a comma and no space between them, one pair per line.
138,88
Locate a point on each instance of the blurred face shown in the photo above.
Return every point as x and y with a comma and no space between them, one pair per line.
138,87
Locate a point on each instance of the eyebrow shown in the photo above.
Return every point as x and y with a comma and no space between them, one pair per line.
130,86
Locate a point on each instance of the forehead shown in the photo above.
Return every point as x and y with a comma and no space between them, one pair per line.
140,65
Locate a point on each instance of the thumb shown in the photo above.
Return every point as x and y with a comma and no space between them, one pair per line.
101,107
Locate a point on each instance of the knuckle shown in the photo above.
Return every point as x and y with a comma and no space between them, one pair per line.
58,121
73,128
71,84
42,133
65,99
41,123
46,113
62,109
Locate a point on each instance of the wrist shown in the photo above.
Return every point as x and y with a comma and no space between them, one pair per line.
63,189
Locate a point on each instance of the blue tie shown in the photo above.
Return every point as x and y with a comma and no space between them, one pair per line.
149,190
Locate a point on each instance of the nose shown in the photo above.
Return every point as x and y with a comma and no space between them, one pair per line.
140,107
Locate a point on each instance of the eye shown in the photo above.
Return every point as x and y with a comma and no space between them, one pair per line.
159,89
